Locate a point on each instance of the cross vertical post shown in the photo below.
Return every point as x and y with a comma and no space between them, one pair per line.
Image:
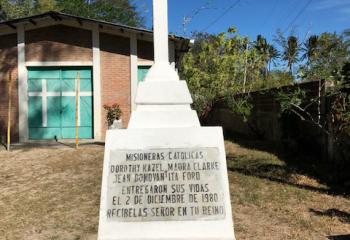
160,31
161,69
162,99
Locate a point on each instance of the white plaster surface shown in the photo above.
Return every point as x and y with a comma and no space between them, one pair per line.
163,119
163,92
22,86
160,31
133,69
96,80
172,138
58,63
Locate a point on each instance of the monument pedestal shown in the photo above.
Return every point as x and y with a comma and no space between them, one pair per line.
165,183
164,177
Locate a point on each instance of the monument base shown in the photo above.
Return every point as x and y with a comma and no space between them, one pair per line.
165,184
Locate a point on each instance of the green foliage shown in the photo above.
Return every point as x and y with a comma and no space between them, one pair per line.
267,52
346,35
291,48
341,114
327,55
290,99
311,49
113,112
218,67
117,11
10,9
241,106
274,79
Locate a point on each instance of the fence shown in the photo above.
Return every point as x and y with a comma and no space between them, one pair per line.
268,123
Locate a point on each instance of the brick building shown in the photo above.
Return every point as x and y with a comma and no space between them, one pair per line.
44,53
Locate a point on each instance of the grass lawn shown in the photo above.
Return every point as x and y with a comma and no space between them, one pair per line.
53,193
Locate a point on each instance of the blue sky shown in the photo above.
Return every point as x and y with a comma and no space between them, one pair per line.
253,17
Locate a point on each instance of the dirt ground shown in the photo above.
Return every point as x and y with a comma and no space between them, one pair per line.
54,193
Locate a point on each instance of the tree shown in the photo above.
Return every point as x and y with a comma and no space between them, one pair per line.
267,51
218,68
117,11
346,34
45,6
311,49
290,49
11,9
273,55
326,56
262,47
327,61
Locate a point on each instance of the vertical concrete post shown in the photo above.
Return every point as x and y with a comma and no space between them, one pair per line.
133,68
22,86
161,70
96,69
160,31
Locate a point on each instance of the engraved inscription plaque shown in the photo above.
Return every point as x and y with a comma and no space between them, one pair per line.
165,185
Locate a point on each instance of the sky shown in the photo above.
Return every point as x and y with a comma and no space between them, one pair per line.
253,17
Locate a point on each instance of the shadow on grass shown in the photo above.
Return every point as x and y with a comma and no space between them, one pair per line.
263,173
29,146
330,179
344,217
72,144
339,237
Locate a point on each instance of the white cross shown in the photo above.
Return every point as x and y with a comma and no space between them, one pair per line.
160,31
44,94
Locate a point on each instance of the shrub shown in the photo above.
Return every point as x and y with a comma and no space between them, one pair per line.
113,113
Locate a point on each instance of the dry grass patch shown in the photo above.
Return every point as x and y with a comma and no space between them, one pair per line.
50,193
54,193
271,201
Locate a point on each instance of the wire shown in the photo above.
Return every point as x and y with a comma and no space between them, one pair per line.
268,17
221,16
189,17
298,15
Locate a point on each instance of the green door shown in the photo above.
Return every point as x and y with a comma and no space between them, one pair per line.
51,104
142,72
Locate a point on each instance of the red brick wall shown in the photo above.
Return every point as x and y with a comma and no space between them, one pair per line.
58,43
8,63
115,75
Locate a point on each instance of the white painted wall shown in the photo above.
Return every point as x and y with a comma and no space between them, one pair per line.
133,69
59,64
22,86
96,69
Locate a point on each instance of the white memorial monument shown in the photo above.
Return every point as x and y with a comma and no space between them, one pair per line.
164,177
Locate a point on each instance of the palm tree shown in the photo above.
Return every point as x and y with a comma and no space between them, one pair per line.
273,55
346,34
267,51
290,49
311,49
291,52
